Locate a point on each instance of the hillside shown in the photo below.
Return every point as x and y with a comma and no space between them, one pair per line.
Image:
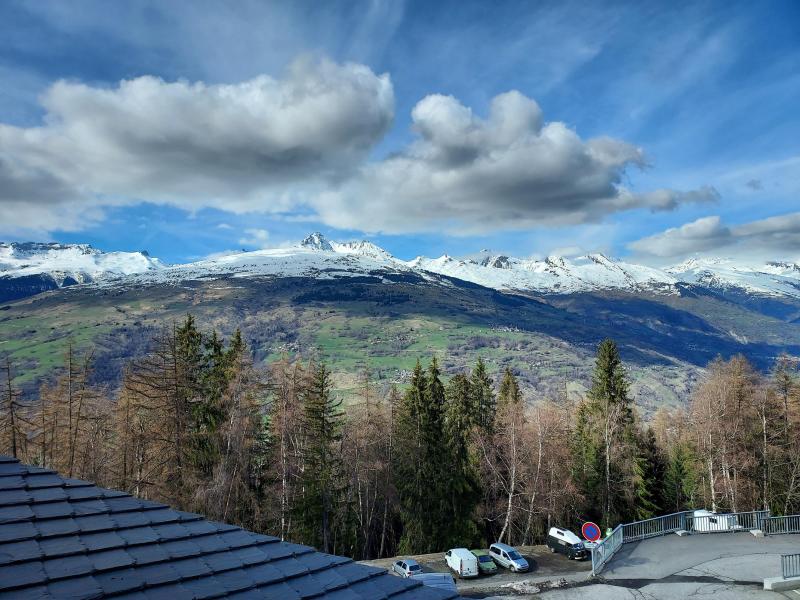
355,306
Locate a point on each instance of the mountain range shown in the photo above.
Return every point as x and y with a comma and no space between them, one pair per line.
358,307
58,265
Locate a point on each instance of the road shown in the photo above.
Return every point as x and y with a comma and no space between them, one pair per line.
722,566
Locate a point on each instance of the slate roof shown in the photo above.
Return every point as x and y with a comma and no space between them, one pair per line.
65,538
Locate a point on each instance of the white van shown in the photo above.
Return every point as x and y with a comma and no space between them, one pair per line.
704,521
462,562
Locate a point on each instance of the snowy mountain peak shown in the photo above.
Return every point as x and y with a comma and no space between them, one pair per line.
362,248
75,262
317,241
318,257
496,262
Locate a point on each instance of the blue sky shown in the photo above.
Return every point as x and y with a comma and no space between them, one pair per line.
699,101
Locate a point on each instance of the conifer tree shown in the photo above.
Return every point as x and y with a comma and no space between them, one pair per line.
509,389
483,400
462,474
613,473
680,478
421,462
206,408
321,478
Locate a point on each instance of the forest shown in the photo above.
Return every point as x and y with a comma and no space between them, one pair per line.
437,463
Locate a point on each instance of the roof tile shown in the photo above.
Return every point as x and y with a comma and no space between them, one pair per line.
68,566
80,588
66,538
14,576
17,551
121,580
59,546
111,559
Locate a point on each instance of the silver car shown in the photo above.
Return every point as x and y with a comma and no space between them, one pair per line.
508,557
407,567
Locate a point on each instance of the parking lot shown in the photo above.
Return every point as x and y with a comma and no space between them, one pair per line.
545,567
722,566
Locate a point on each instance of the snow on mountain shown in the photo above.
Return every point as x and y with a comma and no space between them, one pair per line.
318,257
552,275
315,257
317,241
79,262
772,278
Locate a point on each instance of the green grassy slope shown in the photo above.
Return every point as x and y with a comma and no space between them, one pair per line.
357,323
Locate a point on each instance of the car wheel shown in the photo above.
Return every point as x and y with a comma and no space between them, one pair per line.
552,550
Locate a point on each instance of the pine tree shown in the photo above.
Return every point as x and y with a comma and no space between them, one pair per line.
206,408
483,400
421,463
649,485
614,472
509,389
462,474
321,478
680,478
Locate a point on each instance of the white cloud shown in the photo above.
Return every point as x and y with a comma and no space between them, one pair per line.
255,237
250,146
701,235
772,238
298,146
465,174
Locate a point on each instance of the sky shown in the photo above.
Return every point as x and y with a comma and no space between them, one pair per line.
652,132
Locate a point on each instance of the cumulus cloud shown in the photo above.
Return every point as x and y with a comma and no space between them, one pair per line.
298,146
241,147
509,170
701,235
775,237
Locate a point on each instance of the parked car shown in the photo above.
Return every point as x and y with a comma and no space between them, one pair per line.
703,520
485,563
567,543
462,562
442,581
506,556
407,567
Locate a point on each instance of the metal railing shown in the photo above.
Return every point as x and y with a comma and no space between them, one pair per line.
726,522
604,551
777,525
657,526
790,565
689,521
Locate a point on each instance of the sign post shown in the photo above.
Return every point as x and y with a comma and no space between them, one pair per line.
591,532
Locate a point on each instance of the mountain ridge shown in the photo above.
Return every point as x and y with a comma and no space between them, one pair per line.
60,265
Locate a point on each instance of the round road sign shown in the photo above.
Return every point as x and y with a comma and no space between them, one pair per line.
590,531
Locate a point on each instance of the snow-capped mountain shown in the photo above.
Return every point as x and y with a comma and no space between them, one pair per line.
551,275
319,257
76,262
771,278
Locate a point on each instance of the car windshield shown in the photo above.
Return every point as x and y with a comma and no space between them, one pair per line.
485,558
514,555
413,567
